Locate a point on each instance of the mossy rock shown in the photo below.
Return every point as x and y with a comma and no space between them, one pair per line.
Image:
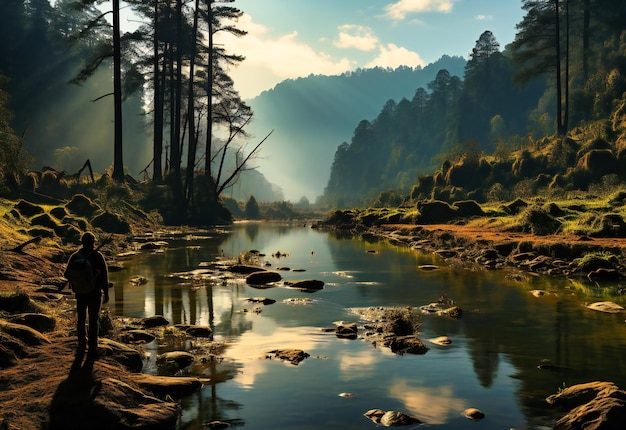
28,209
58,212
79,222
69,233
540,222
40,231
436,211
43,220
82,205
111,223
516,206
15,303
468,208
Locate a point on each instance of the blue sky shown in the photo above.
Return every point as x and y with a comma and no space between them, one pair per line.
295,38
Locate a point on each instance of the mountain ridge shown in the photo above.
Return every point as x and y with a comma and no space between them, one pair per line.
312,116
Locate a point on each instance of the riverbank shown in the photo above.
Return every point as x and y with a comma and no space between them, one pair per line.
43,387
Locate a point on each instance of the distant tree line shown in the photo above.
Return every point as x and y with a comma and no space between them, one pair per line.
565,67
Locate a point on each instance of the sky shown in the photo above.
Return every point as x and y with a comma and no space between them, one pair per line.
297,38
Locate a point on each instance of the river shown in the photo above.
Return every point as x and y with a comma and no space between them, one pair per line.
492,364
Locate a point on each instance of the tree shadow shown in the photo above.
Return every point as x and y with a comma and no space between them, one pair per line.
73,405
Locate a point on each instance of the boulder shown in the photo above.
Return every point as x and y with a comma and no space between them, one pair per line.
608,307
474,414
407,345
596,405
346,331
435,212
111,223
139,336
263,277
40,322
175,359
468,208
82,205
308,285
293,356
155,321
243,269
598,162
123,354
28,209
195,330
262,300
162,386
390,418
24,333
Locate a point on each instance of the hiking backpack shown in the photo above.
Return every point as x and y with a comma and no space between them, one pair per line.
81,275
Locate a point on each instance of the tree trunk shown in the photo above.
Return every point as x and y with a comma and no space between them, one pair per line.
157,175
559,91
191,149
586,21
209,125
566,107
118,162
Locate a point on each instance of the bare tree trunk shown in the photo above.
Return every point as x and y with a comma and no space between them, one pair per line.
586,21
191,148
559,91
158,104
209,127
566,108
118,162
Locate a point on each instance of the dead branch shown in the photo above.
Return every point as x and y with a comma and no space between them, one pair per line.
20,247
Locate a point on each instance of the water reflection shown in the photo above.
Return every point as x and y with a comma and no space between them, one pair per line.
492,364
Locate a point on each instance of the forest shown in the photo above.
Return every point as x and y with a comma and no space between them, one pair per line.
563,73
555,91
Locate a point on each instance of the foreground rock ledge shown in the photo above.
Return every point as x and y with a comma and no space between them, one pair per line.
596,405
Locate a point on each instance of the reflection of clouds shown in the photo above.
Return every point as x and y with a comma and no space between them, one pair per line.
355,366
251,348
433,405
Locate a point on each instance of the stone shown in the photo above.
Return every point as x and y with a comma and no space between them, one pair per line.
262,300
40,322
346,331
308,285
263,277
474,414
441,341
608,307
293,356
155,321
161,386
139,336
597,405
390,418
407,345
123,354
24,333
195,330
175,359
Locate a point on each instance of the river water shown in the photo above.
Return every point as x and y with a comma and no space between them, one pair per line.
492,364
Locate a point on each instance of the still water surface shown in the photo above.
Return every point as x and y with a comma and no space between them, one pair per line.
491,364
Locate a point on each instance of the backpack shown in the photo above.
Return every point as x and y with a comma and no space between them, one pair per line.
81,275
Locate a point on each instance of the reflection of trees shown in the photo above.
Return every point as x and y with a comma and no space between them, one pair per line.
252,230
233,323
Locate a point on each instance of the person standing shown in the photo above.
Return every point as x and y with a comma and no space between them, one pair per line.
88,276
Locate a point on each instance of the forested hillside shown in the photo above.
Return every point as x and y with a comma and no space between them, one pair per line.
311,115
541,85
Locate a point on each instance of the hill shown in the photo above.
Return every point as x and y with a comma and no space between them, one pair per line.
312,116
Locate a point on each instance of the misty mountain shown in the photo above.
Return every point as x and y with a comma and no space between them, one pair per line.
312,116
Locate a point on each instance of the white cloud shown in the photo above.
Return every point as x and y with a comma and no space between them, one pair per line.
357,37
393,56
271,59
484,17
402,8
